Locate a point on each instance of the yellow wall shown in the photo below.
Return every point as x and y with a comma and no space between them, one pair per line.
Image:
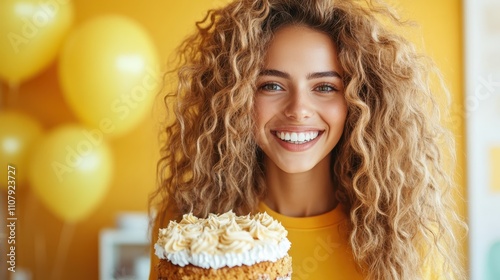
136,153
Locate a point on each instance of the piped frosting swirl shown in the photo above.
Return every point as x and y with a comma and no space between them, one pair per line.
222,240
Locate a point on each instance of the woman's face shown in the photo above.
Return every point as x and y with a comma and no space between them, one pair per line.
300,105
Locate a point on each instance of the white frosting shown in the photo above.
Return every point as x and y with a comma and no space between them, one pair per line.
223,240
259,253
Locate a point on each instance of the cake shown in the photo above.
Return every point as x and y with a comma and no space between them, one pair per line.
224,246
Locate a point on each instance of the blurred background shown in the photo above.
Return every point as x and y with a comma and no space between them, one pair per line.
80,115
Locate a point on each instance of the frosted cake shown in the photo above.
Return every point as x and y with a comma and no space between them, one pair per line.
224,247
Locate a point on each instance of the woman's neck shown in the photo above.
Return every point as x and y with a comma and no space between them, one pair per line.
300,194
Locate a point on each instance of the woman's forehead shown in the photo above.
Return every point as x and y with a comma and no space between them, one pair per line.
302,47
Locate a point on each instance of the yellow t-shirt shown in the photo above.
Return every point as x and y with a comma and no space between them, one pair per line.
320,248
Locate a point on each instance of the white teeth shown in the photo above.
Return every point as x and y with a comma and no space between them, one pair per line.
302,137
297,138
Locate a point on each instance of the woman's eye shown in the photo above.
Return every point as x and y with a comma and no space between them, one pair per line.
271,87
325,88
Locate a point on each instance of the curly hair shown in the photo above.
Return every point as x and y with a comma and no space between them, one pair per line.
388,165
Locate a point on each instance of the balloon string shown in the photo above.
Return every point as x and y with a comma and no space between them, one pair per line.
40,241
40,253
3,99
13,95
62,249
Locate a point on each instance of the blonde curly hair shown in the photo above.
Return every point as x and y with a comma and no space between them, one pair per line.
388,166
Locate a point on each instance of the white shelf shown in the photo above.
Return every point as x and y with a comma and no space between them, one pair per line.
123,254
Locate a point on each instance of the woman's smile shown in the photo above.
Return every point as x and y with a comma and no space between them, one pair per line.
297,138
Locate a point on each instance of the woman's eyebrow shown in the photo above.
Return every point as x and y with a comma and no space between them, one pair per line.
276,73
315,75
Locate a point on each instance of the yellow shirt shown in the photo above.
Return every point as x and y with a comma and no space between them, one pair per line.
320,248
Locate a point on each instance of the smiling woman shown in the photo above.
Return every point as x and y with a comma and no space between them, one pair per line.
298,97
343,141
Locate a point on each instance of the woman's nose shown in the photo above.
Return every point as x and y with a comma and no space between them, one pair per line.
298,107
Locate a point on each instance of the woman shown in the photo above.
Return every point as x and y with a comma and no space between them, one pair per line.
316,113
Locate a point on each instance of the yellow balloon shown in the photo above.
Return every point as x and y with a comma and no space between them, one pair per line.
18,134
71,171
108,70
31,32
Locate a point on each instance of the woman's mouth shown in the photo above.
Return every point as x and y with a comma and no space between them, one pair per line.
297,137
